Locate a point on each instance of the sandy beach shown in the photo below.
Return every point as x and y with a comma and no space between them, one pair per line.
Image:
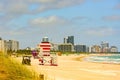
71,68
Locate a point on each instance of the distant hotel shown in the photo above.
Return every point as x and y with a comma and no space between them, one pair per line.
8,45
80,48
113,49
68,45
104,48
69,39
13,45
96,48
3,45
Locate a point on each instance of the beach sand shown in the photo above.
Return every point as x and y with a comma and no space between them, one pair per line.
74,68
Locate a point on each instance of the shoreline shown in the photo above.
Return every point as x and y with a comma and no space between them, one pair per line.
84,57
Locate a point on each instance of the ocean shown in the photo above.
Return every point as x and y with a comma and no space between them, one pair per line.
113,59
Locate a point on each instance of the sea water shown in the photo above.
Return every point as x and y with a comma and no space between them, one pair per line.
105,59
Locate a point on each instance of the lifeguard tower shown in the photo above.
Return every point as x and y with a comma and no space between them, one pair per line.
45,57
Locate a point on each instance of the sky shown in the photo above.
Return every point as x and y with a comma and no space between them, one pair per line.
89,21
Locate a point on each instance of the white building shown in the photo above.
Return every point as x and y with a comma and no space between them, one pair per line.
3,45
54,46
13,45
8,45
96,48
113,49
104,46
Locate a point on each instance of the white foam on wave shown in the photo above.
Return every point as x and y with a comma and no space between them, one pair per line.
106,59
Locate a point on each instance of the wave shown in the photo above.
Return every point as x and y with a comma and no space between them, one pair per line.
104,59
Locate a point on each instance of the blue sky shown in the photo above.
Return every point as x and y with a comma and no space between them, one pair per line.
89,21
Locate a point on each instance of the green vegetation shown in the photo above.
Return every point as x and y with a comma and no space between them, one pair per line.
69,53
19,52
11,70
24,51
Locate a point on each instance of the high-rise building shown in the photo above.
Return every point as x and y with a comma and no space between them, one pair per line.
65,47
8,45
65,39
70,40
113,49
80,48
3,45
13,45
87,49
95,48
104,47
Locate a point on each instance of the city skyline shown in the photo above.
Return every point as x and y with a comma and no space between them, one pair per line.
89,21
68,44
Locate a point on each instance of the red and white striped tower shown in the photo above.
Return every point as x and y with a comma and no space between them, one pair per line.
44,55
45,47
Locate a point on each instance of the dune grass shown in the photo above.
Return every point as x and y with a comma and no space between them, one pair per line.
12,70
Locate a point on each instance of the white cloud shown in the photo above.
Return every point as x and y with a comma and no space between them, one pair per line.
16,9
11,9
49,21
101,32
65,3
112,18
23,6
57,4
41,1
8,31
